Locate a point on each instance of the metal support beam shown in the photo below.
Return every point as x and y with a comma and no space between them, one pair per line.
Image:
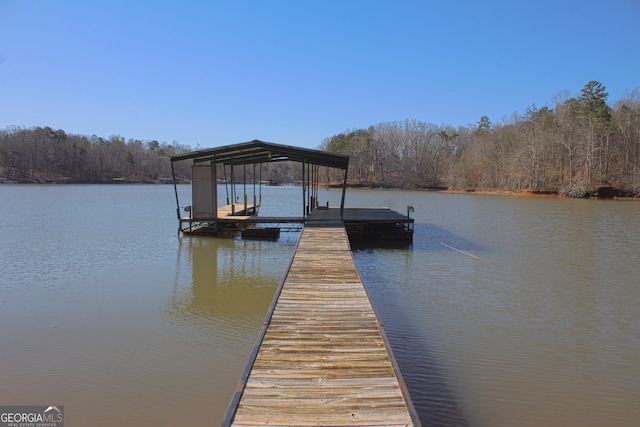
344,193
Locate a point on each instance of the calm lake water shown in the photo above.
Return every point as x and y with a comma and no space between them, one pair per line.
506,311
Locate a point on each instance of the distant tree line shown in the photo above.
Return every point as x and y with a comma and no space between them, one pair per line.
572,147
42,154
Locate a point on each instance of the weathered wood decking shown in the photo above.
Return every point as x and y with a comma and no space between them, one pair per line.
238,211
322,358
367,223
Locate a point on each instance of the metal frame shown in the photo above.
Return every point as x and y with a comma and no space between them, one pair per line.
260,152
257,152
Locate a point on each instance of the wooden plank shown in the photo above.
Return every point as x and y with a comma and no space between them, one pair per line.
323,359
225,211
238,209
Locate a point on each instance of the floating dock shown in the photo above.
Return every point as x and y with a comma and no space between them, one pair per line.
322,358
362,224
368,224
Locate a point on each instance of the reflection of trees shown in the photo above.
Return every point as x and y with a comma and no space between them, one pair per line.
230,281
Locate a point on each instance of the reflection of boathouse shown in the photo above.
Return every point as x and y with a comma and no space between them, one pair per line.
228,279
239,168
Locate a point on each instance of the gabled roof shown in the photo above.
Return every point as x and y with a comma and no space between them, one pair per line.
260,152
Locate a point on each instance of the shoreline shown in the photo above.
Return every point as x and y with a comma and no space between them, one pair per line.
600,193
613,194
514,193
536,194
523,193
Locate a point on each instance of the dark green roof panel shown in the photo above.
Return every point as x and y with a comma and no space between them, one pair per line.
260,152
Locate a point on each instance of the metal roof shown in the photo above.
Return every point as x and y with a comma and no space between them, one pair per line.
260,152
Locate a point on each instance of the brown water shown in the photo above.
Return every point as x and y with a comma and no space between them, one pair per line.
506,311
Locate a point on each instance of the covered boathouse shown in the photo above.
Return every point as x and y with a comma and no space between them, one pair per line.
211,213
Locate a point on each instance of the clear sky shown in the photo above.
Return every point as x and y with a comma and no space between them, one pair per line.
209,73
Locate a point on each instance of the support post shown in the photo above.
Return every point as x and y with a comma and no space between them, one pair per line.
175,189
344,193
310,189
260,186
233,189
214,189
304,196
244,186
226,181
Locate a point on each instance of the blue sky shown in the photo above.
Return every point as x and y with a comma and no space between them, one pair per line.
207,73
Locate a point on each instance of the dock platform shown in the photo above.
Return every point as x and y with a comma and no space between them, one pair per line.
234,213
361,223
322,358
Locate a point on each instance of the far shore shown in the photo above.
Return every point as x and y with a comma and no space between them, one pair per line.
539,194
600,193
528,193
604,192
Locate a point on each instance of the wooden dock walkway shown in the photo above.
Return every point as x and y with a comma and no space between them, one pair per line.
322,358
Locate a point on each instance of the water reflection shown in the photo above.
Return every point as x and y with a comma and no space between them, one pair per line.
381,269
431,237
221,292
232,281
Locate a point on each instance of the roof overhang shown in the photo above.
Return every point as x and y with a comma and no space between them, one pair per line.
261,152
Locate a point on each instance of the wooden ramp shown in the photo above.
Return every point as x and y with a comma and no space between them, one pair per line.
322,358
